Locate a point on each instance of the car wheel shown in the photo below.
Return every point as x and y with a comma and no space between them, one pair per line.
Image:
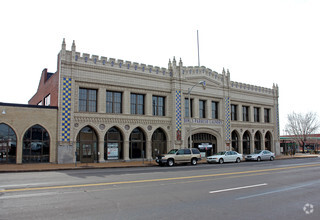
271,158
193,161
238,160
170,162
221,161
259,159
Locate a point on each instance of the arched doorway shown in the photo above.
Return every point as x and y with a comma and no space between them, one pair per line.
159,142
268,141
206,143
87,145
235,141
257,141
113,144
8,144
36,145
137,146
246,143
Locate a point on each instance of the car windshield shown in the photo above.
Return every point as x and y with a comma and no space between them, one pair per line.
221,153
257,151
173,151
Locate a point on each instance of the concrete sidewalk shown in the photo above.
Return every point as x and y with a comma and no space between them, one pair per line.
50,166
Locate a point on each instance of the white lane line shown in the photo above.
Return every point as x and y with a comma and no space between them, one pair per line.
26,195
277,191
242,187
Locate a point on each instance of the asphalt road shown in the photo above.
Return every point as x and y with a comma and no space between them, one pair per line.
281,189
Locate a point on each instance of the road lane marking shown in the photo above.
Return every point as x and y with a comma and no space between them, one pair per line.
27,195
241,187
155,180
279,190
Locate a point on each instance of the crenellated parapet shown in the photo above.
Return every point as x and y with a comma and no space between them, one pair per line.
173,68
251,88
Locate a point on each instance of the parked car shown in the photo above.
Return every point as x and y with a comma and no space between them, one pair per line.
259,155
176,156
225,156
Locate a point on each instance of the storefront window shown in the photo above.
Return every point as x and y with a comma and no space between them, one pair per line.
36,145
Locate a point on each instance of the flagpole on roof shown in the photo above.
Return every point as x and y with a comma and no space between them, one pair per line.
198,49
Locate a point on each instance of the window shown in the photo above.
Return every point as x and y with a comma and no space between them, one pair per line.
187,151
113,102
202,108
256,114
186,107
234,113
214,110
40,103
137,104
245,113
87,100
267,115
47,100
36,145
158,106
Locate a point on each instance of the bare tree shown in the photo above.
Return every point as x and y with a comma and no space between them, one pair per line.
301,126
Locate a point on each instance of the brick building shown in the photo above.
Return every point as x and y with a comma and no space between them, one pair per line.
111,109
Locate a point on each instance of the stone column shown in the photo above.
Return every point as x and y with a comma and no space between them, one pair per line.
126,150
195,107
209,109
263,144
251,113
148,105
240,145
101,100
252,144
149,150
239,113
101,149
126,102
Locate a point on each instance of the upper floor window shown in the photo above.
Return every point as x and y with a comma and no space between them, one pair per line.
137,104
202,108
186,107
47,100
245,113
214,108
87,100
234,113
267,115
256,114
113,102
158,106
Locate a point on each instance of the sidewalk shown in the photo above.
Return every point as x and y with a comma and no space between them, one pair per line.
52,167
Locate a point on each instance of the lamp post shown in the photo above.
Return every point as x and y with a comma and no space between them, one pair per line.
203,83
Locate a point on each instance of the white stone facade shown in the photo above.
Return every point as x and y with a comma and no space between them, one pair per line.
107,74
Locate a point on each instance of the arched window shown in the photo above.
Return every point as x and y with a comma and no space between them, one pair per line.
113,144
257,141
87,145
8,144
235,141
159,143
268,141
246,143
36,145
137,147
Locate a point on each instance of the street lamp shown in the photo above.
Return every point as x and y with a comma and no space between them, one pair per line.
203,83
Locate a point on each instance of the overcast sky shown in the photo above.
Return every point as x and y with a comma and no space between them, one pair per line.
261,42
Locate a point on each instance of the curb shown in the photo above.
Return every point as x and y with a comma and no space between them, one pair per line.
117,166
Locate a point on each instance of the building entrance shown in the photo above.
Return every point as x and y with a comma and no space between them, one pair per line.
206,143
87,145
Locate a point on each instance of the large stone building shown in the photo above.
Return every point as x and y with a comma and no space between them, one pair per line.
110,109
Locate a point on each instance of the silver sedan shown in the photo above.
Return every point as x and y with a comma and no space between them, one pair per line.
259,155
